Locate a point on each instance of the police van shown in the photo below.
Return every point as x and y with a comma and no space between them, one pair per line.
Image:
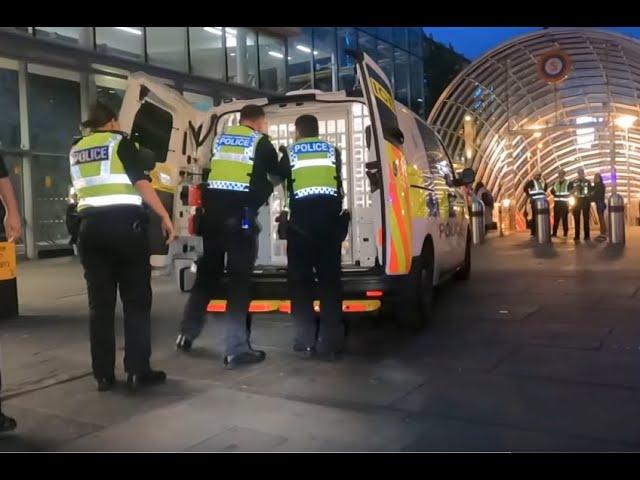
409,206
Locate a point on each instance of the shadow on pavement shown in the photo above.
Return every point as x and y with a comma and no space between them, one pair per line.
612,252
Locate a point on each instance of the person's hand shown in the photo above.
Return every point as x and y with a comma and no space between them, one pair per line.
167,229
12,227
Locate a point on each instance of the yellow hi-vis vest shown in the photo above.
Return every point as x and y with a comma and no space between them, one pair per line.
313,168
561,189
97,173
232,158
537,191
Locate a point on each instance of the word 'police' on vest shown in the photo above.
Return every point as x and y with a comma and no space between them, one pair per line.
93,154
311,147
234,141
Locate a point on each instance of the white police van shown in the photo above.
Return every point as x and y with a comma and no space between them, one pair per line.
410,224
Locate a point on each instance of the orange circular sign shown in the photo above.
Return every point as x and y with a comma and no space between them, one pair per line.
554,66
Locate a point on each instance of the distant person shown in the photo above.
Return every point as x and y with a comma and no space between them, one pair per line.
598,197
10,230
581,190
486,198
535,189
561,194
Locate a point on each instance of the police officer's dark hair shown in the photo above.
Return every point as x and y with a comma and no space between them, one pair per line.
99,115
251,112
307,126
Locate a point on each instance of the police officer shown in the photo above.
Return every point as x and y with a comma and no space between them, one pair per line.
111,183
11,232
561,194
314,237
581,190
242,158
535,189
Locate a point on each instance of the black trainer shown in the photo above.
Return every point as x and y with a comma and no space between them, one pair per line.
184,343
106,383
248,357
150,377
7,424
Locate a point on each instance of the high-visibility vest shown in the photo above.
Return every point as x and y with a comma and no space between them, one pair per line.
581,188
97,173
313,168
232,158
162,178
561,191
537,191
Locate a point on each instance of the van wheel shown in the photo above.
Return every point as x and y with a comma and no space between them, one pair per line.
465,271
414,311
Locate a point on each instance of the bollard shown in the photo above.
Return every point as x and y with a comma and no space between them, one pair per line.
8,284
477,222
543,228
616,219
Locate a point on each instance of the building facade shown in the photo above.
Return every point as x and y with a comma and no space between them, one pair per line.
49,76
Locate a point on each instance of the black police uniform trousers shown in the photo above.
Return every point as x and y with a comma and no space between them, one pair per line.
223,236
561,213
114,251
534,210
582,207
313,250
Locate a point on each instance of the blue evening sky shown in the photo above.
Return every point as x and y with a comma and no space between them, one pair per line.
474,41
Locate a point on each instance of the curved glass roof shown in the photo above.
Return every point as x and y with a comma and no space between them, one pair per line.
499,116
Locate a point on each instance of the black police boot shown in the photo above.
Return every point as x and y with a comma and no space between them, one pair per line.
184,343
106,383
7,424
150,377
250,356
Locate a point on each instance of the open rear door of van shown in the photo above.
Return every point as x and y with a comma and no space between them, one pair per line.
389,155
158,119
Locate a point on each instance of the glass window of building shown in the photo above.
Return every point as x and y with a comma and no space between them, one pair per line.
110,91
61,34
385,59
9,106
401,76
167,47
54,109
272,63
300,61
367,44
400,37
415,40
347,40
125,42
385,33
324,54
199,102
207,52
242,55
417,85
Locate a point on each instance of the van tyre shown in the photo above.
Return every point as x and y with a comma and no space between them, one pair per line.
414,311
465,271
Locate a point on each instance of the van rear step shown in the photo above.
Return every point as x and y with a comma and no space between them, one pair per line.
284,306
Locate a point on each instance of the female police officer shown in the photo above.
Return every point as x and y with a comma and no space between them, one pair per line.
111,183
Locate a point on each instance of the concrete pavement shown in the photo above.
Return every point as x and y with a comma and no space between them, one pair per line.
538,351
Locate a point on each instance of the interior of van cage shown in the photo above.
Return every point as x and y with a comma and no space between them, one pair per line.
343,124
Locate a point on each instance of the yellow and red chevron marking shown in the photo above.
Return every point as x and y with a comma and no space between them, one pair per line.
400,221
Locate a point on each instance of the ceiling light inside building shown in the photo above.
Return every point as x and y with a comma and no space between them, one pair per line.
130,30
214,30
276,54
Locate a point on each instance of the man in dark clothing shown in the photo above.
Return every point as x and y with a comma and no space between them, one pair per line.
10,229
581,189
314,239
561,194
238,185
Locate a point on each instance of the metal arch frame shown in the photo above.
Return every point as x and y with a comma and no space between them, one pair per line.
601,82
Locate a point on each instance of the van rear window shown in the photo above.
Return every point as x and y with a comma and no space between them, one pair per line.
386,105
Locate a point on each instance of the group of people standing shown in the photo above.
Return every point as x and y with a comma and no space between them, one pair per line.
581,192
115,197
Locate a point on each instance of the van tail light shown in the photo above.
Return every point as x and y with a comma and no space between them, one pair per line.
374,293
195,196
